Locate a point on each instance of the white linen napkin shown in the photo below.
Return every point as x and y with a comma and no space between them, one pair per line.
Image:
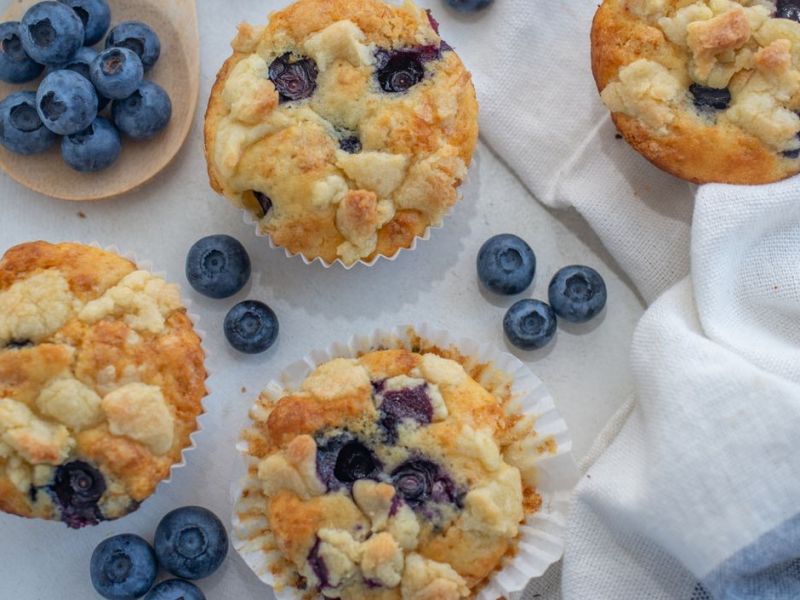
698,496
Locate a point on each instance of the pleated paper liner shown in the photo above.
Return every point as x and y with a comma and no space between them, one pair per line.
553,470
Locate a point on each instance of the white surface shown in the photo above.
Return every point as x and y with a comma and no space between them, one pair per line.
585,369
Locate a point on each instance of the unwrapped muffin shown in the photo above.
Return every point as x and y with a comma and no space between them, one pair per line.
393,475
344,126
101,383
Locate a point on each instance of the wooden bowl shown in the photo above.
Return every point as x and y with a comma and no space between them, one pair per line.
177,71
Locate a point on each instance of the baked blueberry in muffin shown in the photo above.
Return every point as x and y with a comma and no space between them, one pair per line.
101,382
394,475
707,90
344,127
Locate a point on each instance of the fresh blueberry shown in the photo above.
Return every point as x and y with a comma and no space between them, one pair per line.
95,148
51,33
76,489
399,70
139,37
175,589
530,324
95,16
342,460
21,128
506,264
218,266
191,542
15,65
295,79
708,98
788,9
117,73
144,113
81,64
67,102
577,294
469,5
123,567
251,327
419,481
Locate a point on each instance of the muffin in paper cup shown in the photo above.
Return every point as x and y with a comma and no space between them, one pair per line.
103,377
343,128
407,463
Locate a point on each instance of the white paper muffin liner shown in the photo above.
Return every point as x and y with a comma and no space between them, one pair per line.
541,538
148,265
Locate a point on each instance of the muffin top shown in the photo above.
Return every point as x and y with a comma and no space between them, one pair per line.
392,475
101,382
707,90
343,126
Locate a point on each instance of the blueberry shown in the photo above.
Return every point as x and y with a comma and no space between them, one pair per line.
788,9
295,79
175,589
218,266
123,567
117,73
399,70
419,481
191,542
707,98
51,33
350,144
95,16
530,324
264,202
67,102
144,113
342,460
81,64
15,65
577,294
76,489
318,566
21,128
139,37
95,148
411,403
469,5
251,327
506,264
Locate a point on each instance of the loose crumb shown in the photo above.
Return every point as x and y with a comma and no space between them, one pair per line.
81,214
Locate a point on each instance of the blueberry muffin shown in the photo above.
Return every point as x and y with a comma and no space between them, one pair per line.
394,475
707,90
101,382
344,126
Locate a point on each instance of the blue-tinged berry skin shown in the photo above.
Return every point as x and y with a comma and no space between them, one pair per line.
21,127
139,37
95,16
95,148
191,542
530,324
15,65
175,589
578,294
251,327
506,264
469,5
144,113
67,102
788,9
51,33
81,64
123,567
117,73
218,266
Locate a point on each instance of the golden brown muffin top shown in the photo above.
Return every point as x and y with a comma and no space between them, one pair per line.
344,126
101,382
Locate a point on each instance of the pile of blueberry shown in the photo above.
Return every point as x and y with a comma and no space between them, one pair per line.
80,83
218,267
507,266
190,543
